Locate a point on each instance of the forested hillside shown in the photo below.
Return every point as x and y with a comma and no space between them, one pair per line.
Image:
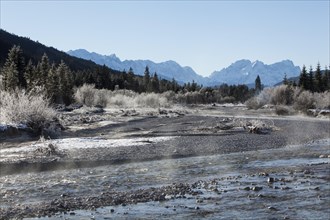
33,51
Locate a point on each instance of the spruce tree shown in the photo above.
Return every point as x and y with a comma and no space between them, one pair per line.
326,78
303,79
15,56
12,80
155,83
29,75
146,78
285,80
174,85
65,83
310,84
318,79
44,69
53,87
257,85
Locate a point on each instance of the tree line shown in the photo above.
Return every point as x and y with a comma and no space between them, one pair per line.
313,81
58,81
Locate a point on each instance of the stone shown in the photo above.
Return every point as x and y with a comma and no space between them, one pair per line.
272,208
270,179
256,188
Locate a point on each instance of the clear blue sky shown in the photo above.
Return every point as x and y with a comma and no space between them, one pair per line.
206,35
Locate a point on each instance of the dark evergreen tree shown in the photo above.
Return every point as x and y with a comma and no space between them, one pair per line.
43,70
319,83
12,77
53,86
326,78
65,83
146,79
30,75
174,85
15,60
310,84
285,79
155,83
303,79
257,85
194,86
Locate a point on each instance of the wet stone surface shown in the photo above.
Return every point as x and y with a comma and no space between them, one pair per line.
222,186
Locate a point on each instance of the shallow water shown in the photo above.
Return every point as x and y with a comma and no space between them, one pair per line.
300,193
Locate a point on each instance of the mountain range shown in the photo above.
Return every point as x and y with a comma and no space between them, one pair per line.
240,72
166,70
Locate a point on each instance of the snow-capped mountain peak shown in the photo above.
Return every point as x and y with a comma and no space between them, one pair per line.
166,70
240,72
245,72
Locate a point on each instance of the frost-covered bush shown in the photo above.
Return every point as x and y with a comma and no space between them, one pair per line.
303,101
21,107
151,100
282,95
322,100
101,97
120,100
283,110
86,95
263,98
89,96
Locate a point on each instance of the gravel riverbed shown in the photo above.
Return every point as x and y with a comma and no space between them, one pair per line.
187,166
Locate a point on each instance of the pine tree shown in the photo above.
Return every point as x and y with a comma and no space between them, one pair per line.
15,56
303,79
29,75
174,85
285,79
12,77
194,86
326,78
155,83
65,83
146,79
44,68
318,79
257,85
310,84
53,85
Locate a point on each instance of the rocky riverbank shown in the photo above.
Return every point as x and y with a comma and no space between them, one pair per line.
182,165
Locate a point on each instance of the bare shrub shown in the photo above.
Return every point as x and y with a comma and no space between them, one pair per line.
304,101
263,98
282,95
31,109
150,100
322,100
253,103
120,100
90,96
101,97
256,126
86,94
283,110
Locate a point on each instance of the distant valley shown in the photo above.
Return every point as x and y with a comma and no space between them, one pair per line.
240,72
